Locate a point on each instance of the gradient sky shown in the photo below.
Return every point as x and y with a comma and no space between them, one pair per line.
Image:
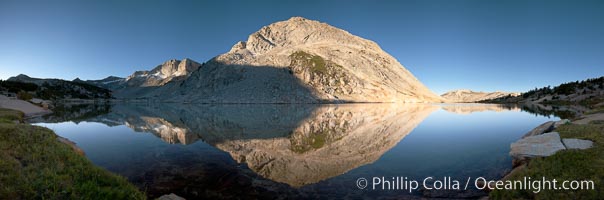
478,45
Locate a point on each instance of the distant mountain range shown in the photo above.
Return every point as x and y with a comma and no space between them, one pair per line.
111,82
469,96
55,88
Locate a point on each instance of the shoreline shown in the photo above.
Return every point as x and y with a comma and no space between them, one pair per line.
41,164
578,127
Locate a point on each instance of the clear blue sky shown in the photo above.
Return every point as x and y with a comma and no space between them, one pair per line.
479,45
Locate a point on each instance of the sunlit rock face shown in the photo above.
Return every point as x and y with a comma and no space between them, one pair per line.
302,61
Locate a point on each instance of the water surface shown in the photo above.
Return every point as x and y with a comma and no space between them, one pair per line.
292,151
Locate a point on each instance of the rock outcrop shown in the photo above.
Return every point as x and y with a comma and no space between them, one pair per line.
543,128
171,70
27,108
572,143
469,96
540,142
537,146
301,61
590,118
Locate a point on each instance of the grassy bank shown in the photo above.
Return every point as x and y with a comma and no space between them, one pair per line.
566,165
35,165
10,116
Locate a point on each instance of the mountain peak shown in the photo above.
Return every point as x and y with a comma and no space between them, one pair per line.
171,61
303,60
298,31
113,77
22,76
297,18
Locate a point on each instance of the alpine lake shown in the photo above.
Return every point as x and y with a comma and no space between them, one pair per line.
297,151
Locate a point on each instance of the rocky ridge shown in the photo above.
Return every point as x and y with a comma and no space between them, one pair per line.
171,70
50,88
469,96
111,82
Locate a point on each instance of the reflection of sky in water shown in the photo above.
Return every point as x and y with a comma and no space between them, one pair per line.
448,144
443,144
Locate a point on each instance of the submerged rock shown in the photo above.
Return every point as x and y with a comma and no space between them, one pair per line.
170,196
572,143
537,146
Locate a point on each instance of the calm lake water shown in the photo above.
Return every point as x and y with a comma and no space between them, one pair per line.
293,151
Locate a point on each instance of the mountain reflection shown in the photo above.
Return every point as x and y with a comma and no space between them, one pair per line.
295,144
468,108
330,142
